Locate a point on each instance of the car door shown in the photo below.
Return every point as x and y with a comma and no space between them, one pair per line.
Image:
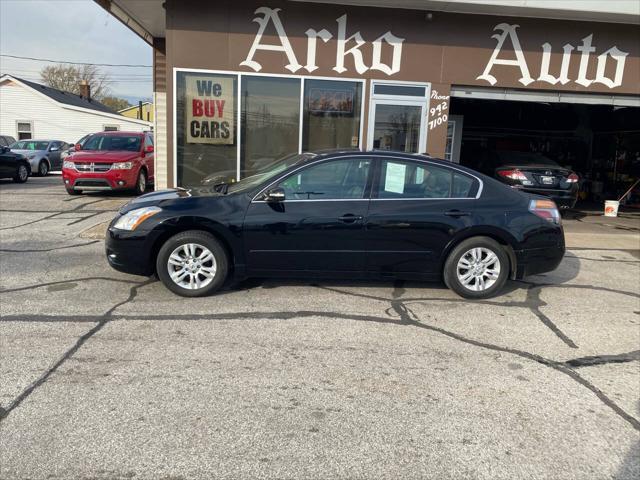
417,207
7,165
149,155
55,149
318,227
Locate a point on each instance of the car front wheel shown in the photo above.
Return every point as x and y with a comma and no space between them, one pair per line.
141,183
192,264
477,268
22,174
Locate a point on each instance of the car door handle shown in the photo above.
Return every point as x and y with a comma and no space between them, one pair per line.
456,213
350,218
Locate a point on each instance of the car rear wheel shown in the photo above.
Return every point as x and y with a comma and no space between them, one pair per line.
477,268
43,168
141,183
192,264
22,174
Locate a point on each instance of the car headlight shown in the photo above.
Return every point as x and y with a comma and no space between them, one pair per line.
122,166
67,164
131,220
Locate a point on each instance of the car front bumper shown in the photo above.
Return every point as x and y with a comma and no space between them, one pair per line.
92,181
130,252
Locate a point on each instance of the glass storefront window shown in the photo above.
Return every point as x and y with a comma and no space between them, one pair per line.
206,129
270,121
331,115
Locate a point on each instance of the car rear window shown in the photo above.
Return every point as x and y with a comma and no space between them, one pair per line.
129,143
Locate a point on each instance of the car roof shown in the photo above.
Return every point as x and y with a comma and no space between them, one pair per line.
116,133
337,153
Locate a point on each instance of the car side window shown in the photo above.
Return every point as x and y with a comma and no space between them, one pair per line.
53,145
332,180
406,179
3,142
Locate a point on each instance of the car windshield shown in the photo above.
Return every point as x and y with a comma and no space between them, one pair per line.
269,171
128,143
525,159
30,145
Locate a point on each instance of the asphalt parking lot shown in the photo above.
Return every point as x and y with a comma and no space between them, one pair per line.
106,375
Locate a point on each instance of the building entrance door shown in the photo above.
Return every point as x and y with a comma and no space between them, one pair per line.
397,117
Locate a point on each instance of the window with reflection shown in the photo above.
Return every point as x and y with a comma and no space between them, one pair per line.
270,121
339,179
331,114
206,128
400,179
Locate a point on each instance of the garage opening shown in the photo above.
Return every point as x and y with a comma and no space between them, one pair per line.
600,142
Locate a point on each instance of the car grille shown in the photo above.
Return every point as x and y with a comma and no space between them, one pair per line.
91,183
93,167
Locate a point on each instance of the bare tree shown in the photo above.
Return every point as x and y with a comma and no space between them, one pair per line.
68,77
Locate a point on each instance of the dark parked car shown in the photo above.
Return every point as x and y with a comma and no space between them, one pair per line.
342,214
13,165
533,173
6,140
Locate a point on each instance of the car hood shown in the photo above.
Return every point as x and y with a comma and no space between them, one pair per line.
170,195
29,152
105,156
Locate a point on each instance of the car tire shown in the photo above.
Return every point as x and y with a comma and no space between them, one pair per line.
22,174
43,168
71,191
477,268
181,268
141,182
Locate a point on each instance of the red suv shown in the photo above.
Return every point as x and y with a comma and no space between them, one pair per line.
110,161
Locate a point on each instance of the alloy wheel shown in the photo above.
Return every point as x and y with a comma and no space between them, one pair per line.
22,173
478,269
43,169
142,182
192,266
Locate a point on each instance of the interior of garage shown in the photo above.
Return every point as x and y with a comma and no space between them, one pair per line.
601,143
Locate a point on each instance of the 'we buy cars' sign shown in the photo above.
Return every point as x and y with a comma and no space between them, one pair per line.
209,107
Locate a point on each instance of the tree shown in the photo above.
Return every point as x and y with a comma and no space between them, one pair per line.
115,103
68,77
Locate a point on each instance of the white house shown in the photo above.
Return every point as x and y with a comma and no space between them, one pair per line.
30,110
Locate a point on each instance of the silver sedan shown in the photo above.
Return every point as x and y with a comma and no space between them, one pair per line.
43,155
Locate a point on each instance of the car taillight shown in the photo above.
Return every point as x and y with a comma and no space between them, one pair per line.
546,209
573,178
513,174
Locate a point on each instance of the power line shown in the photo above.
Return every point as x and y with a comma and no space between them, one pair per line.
79,63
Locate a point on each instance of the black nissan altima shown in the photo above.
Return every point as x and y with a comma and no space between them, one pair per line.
347,214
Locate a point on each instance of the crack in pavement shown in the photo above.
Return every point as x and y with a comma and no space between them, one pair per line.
7,250
103,320
76,280
79,208
595,360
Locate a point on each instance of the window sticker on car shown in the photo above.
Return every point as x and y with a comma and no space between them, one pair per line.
394,178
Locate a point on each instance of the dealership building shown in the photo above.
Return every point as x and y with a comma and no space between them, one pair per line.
240,84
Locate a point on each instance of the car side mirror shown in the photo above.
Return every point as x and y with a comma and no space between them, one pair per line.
274,195
77,147
3,149
148,149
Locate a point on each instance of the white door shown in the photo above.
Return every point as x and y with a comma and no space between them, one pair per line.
397,117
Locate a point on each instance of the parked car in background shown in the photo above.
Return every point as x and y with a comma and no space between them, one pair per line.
533,173
13,165
43,155
72,147
343,214
110,161
6,140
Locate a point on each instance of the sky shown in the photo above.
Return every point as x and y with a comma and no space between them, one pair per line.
76,31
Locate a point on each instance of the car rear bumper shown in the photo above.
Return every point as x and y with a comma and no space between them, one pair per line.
111,180
538,260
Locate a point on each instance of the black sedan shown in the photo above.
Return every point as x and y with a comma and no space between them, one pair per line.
534,173
342,214
14,165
